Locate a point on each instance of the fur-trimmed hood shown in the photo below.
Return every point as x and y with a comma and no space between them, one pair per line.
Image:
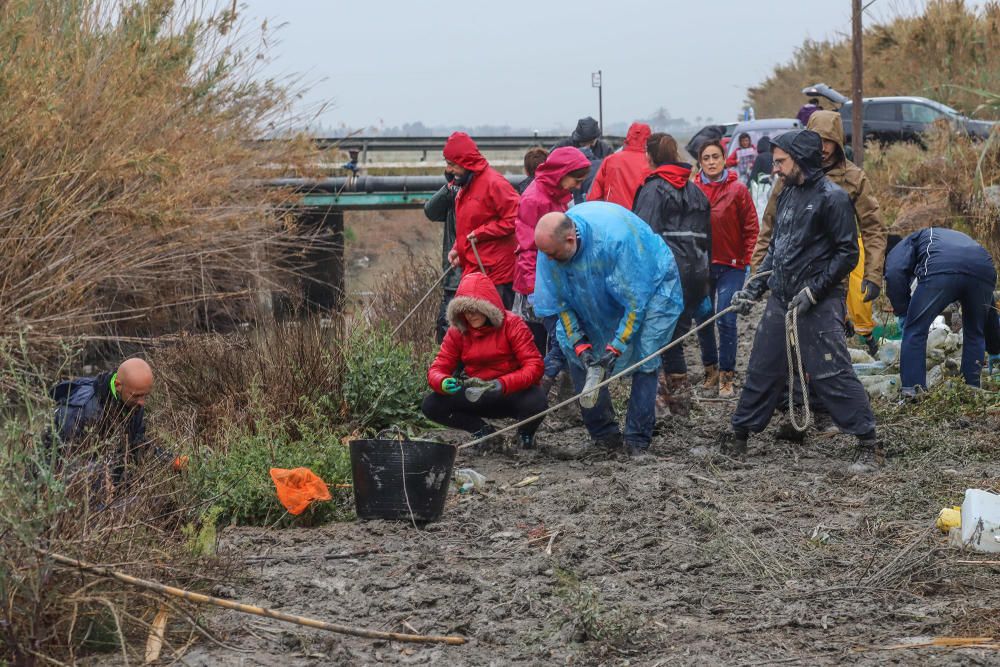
476,293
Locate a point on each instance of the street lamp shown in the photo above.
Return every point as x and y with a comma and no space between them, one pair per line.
595,82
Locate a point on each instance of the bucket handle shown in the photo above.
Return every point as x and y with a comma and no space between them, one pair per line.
392,433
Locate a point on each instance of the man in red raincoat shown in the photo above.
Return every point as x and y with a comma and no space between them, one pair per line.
485,213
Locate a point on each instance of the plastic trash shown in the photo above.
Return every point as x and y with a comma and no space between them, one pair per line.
475,388
872,368
948,518
935,376
881,386
981,520
860,356
589,395
468,479
889,352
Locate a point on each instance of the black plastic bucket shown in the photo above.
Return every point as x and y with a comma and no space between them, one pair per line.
378,465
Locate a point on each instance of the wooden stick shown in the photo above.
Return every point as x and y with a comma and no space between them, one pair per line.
249,609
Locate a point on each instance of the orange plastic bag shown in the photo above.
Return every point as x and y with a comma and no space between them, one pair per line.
299,487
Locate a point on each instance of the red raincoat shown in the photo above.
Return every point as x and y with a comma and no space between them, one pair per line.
621,174
734,220
486,205
542,196
502,349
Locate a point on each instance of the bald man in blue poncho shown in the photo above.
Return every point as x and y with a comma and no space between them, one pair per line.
615,287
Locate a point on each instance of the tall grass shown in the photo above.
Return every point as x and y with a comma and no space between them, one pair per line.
127,202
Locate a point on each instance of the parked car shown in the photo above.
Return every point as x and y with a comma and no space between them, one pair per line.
895,119
765,127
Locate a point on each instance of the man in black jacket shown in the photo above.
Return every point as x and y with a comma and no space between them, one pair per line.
814,247
587,134
106,411
441,208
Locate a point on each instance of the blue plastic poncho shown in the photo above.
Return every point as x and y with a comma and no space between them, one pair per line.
621,288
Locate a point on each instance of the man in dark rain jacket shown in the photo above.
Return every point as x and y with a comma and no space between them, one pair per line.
813,248
587,133
441,208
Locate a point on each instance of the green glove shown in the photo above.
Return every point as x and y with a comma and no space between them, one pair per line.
451,386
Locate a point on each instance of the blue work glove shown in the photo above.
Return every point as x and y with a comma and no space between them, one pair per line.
870,290
704,309
901,323
993,362
802,301
450,386
742,301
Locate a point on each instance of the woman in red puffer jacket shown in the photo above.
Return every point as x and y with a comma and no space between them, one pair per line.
501,365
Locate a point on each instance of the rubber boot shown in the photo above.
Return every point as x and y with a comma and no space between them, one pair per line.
675,393
526,440
735,443
712,378
546,384
789,433
726,384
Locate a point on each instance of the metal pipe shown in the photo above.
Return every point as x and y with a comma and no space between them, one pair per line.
365,184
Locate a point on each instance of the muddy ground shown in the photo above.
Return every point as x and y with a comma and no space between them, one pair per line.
691,559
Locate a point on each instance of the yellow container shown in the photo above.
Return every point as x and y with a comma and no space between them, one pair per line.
948,518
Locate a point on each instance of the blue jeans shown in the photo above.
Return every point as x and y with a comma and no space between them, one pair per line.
640,417
555,361
932,296
724,282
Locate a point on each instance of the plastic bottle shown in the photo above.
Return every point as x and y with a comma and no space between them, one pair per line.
588,398
468,476
981,520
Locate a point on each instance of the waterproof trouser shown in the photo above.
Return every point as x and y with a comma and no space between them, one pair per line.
725,281
932,296
442,319
673,359
859,312
640,417
456,411
826,361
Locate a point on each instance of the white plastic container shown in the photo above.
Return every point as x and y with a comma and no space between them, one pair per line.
981,520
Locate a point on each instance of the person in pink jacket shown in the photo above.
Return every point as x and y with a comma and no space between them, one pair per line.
552,190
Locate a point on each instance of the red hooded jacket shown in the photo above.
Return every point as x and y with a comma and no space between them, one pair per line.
486,205
621,174
502,349
542,196
734,220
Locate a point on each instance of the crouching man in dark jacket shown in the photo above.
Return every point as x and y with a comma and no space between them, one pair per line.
106,411
813,248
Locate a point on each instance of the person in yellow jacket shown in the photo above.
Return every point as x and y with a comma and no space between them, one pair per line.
865,282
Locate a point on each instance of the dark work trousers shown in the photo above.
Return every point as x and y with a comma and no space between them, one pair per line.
456,411
555,360
640,416
540,335
826,361
932,296
673,359
506,292
442,321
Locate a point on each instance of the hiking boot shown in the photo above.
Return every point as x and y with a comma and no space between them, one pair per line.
609,443
638,453
789,433
734,444
712,378
869,455
726,384
526,440
675,393
483,447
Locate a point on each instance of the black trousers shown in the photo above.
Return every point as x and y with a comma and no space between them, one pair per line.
826,361
455,411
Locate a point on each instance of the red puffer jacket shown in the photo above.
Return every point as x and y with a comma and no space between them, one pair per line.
734,220
621,174
502,349
488,206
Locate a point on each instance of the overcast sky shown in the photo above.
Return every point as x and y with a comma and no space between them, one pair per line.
529,63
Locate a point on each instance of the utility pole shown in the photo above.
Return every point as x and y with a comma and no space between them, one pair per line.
857,96
595,82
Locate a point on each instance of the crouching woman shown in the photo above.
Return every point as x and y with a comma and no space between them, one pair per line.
500,365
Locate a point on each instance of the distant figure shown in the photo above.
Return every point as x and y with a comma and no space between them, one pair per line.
485,211
808,109
534,157
763,163
622,173
587,134
352,163
745,156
